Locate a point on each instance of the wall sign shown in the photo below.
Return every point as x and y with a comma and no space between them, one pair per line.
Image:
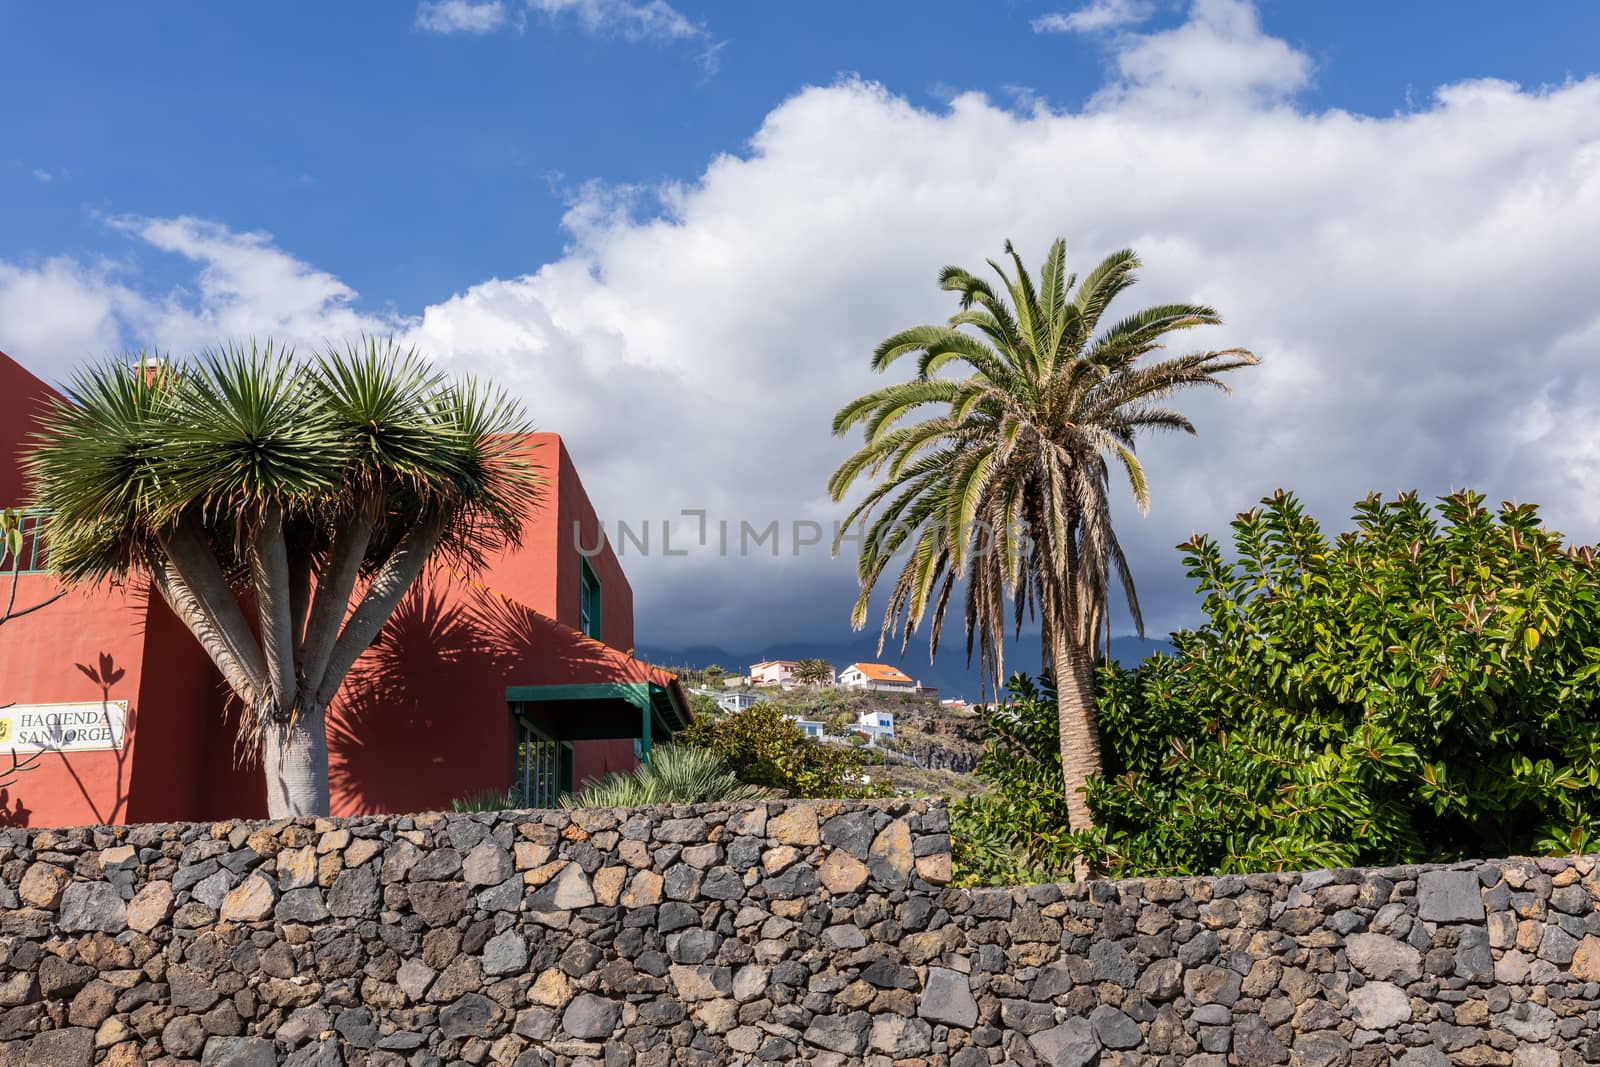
96,725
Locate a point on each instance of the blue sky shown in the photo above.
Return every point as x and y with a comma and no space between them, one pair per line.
677,230
410,162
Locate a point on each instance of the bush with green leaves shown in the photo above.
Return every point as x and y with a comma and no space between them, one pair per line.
1016,831
674,774
765,748
486,800
1425,687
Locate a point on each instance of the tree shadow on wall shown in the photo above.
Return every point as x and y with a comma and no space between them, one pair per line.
401,735
393,721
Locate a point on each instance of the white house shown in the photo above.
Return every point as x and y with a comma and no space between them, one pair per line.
876,676
811,727
735,701
878,725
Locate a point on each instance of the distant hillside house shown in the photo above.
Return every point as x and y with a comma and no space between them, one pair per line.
879,676
877,725
882,678
773,672
810,727
738,701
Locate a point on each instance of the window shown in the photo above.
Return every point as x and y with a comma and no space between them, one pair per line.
589,602
544,768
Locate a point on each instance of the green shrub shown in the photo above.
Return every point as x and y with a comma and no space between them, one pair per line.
673,775
1017,831
1426,687
765,748
485,800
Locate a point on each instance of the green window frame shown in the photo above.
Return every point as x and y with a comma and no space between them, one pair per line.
589,601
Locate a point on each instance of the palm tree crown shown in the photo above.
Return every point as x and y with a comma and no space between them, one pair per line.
1007,483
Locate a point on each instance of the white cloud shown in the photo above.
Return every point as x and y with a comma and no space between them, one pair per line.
461,16
1219,57
633,19
1094,17
60,313
1418,285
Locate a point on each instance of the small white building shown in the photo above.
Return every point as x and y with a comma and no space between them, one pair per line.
878,677
877,725
734,701
810,727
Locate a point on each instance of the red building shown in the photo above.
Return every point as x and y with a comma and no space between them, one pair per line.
519,676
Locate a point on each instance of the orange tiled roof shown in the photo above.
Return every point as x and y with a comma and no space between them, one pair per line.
881,672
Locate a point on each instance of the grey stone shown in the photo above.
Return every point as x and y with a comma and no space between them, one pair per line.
1557,946
414,977
1528,1021
567,891
1449,897
302,1025
1114,1028
1379,1005
851,832
901,1037
947,998
1423,1057
1474,959
590,1017
1112,963
1255,1043
355,892
301,906
213,889
239,1052
845,1034
505,953
72,1047
1025,1017
722,883
1382,957
1162,980
486,864
1324,1048
357,1028
320,1054
1072,1044
1212,985
503,897
472,1015
89,906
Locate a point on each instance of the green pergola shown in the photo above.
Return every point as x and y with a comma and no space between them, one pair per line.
550,718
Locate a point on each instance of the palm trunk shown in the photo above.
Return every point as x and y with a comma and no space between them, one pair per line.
1079,729
295,757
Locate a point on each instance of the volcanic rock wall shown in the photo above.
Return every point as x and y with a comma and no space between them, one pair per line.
766,933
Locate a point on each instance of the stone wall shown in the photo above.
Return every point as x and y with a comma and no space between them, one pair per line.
758,934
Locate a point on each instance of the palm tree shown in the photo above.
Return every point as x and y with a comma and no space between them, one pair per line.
812,671
1007,483
309,495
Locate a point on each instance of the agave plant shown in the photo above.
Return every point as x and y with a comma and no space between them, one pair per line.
309,494
673,775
